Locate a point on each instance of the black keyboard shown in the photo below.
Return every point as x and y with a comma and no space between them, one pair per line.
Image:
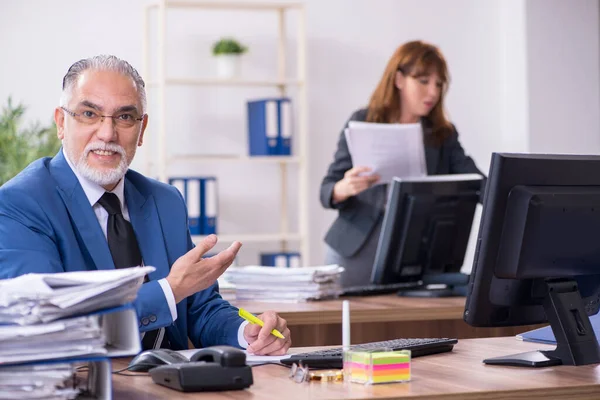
373,289
332,358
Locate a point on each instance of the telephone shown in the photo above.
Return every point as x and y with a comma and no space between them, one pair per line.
227,356
210,369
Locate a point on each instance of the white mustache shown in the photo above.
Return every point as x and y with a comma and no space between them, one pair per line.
104,147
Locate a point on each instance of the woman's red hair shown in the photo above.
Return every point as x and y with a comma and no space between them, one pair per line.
415,59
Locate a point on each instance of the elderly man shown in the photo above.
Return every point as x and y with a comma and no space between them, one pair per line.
85,210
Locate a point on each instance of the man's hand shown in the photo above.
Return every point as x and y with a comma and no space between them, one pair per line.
353,183
262,342
191,273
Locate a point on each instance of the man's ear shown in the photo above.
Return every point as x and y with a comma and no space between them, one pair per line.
59,120
144,125
400,79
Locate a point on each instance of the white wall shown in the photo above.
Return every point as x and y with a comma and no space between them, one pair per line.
564,80
493,47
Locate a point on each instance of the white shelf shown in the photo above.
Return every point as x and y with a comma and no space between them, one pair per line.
229,5
159,162
252,237
228,82
234,158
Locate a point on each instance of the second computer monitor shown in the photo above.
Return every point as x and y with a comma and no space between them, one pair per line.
538,254
425,231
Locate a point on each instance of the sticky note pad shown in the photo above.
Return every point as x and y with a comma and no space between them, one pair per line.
377,366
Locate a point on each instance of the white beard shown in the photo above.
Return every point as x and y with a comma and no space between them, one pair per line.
102,178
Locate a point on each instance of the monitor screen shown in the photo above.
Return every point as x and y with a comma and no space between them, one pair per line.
425,232
537,256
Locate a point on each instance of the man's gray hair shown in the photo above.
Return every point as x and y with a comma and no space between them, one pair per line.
102,63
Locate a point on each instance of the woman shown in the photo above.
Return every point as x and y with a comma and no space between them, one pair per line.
411,90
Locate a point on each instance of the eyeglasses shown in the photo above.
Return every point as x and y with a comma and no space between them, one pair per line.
90,117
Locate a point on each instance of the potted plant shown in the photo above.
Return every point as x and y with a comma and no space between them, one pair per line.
227,52
20,146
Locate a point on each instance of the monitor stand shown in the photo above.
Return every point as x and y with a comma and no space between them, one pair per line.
575,337
439,285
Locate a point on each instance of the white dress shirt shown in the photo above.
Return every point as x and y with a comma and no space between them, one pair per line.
93,192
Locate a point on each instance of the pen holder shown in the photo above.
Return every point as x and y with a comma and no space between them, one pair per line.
376,366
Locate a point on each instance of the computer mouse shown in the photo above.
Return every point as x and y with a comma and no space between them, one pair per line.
149,359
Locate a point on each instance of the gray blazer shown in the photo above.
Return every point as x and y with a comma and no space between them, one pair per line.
359,214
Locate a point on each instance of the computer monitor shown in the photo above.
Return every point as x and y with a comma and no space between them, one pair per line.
537,257
425,232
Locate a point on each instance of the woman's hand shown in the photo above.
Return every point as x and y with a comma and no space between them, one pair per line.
353,183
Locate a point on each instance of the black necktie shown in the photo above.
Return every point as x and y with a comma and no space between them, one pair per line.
119,232
125,253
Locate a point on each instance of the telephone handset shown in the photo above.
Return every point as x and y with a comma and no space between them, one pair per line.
227,356
210,369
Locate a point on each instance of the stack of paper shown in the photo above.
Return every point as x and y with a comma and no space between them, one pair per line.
285,284
37,382
59,339
35,298
226,288
390,150
52,323
57,380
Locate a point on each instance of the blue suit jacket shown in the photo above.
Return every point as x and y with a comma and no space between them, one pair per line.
48,225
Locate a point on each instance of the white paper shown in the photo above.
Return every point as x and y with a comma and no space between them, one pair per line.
389,150
75,336
54,381
36,382
251,359
35,298
285,284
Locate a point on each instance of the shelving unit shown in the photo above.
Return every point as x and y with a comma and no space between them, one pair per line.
281,83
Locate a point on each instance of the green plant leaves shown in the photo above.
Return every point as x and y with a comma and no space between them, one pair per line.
228,46
20,146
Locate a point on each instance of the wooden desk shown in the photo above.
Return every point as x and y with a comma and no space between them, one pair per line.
459,374
376,318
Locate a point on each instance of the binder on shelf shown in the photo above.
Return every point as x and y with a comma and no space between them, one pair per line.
209,201
193,201
179,184
270,127
280,260
294,260
201,198
285,127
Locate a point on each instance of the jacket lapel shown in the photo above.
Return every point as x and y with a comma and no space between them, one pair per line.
148,231
432,153
432,157
82,213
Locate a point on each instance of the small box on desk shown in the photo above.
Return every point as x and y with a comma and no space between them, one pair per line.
377,366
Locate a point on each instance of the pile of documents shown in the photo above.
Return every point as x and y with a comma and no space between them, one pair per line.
40,381
285,284
390,150
34,298
52,323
